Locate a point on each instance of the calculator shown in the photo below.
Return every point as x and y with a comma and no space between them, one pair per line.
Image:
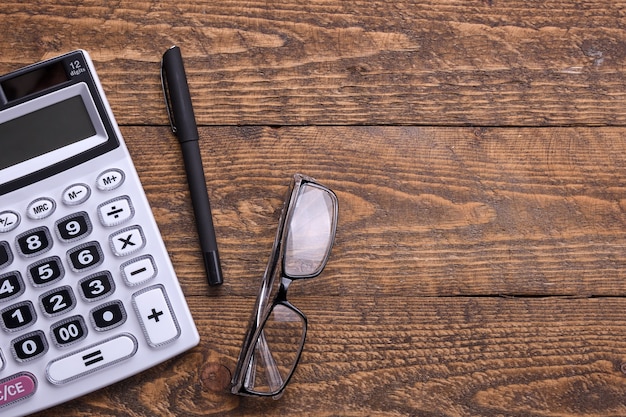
88,293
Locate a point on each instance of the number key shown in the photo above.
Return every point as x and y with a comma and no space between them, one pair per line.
97,286
46,271
86,256
57,301
69,331
18,316
34,242
29,346
11,285
73,227
6,257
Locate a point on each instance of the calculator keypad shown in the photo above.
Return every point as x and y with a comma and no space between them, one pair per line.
73,277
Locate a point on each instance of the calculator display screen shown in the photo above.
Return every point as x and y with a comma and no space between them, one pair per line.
44,130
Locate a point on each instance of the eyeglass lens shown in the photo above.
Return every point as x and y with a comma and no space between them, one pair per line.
309,232
276,351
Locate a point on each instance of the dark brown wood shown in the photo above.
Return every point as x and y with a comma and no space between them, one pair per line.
371,62
477,150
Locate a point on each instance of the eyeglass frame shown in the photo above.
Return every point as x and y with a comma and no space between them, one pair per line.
261,312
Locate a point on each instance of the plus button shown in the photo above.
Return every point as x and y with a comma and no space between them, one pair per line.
155,315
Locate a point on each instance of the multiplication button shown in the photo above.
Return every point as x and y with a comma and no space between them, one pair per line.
127,241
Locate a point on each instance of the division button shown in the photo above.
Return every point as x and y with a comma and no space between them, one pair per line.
115,211
156,316
91,359
17,387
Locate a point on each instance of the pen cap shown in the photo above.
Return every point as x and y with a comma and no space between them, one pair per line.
177,90
213,268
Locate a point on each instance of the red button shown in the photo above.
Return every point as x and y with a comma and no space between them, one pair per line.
17,387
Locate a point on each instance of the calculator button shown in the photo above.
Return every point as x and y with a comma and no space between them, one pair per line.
139,270
11,286
18,316
85,257
127,241
41,208
115,211
57,301
9,220
34,242
6,256
73,227
156,316
29,346
46,271
108,316
68,331
16,388
110,179
76,194
91,359
97,286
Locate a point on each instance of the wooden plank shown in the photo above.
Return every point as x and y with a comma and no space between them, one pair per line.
400,356
516,63
425,211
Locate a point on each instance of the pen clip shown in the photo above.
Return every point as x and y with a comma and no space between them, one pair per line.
164,85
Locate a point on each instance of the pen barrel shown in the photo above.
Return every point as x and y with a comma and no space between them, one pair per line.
202,210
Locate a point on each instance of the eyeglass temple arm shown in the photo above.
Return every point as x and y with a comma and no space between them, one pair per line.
274,380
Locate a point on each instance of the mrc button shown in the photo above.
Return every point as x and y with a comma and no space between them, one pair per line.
41,208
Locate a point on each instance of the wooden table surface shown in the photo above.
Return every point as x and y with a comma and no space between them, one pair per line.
477,150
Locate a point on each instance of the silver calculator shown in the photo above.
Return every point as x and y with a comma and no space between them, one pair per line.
88,294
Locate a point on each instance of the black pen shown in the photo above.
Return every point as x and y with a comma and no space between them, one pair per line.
183,121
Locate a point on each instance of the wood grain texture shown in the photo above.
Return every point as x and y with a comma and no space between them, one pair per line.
475,271
400,356
477,149
431,211
490,63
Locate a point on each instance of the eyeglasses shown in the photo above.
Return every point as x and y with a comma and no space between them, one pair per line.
277,330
